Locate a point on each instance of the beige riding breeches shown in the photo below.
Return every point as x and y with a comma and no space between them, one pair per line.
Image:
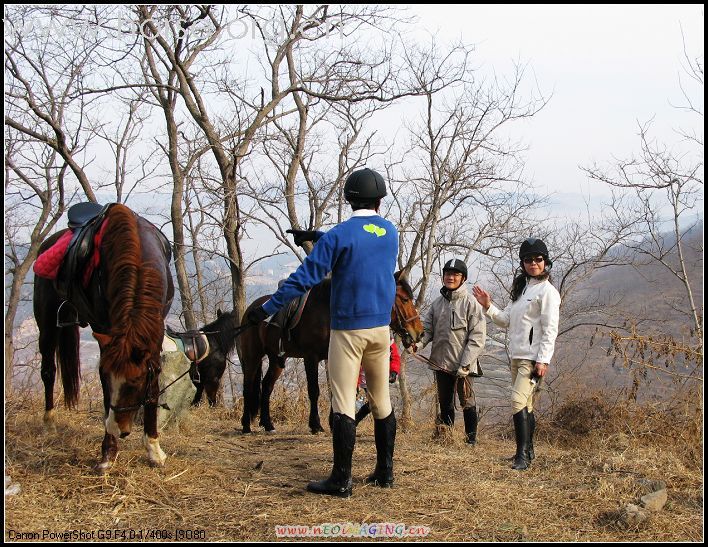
523,392
348,351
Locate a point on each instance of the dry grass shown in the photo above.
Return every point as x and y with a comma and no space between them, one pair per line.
239,487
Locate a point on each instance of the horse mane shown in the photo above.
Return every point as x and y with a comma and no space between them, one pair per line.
223,330
134,294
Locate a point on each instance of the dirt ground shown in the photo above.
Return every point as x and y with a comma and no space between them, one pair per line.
221,485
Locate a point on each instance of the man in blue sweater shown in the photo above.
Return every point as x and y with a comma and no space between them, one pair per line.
361,253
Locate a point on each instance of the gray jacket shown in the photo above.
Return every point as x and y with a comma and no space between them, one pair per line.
458,330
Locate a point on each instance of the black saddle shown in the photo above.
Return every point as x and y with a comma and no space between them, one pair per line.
85,220
82,213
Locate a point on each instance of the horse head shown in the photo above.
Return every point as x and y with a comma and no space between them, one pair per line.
405,319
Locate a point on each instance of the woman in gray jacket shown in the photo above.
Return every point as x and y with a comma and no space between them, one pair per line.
456,326
531,319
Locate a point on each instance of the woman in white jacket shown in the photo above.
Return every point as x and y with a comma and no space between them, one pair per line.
532,322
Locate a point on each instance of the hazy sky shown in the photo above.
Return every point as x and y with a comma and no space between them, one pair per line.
607,67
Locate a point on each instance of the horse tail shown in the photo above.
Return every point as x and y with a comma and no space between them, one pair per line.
251,357
134,293
69,364
252,371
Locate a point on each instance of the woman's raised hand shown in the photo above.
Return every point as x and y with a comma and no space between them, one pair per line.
482,296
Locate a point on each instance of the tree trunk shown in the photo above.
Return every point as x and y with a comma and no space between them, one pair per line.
18,279
177,217
406,418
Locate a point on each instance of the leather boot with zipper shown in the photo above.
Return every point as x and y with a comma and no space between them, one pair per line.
521,432
532,427
470,416
385,437
339,482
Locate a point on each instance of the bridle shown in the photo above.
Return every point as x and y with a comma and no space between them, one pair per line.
401,321
147,398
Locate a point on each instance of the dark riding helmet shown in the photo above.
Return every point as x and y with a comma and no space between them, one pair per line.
456,265
533,246
364,185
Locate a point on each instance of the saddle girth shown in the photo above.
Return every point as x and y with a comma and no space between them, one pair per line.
194,344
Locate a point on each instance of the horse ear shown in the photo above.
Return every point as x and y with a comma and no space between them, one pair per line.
401,275
102,339
219,312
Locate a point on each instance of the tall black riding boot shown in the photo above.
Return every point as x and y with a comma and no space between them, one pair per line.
339,482
521,430
532,427
470,415
385,436
362,413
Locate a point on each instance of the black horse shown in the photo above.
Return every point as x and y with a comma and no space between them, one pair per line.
222,340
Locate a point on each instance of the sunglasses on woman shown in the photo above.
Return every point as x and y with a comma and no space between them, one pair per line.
533,259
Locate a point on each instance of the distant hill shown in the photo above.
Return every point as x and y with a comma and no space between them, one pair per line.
648,295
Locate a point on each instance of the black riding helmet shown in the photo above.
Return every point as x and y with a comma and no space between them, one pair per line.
364,185
456,265
533,246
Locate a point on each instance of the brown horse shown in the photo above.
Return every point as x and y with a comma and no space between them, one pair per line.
125,303
310,341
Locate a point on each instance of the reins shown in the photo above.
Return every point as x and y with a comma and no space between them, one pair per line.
147,399
439,368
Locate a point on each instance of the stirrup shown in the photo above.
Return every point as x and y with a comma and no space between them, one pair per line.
76,315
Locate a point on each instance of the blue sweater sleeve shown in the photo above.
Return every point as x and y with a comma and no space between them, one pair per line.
313,270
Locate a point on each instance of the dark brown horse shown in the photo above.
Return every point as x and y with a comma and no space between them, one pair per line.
310,341
125,303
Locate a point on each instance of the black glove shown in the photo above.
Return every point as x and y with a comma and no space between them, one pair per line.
300,236
256,315
392,377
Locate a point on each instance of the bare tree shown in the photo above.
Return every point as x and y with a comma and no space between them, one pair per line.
34,203
45,78
678,178
460,189
45,138
292,62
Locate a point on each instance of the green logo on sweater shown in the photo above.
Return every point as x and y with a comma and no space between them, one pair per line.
373,229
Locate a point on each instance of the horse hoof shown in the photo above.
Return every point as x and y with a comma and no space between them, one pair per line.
101,468
270,431
156,456
317,430
50,422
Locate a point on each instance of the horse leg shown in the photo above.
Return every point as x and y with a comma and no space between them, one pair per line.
275,369
251,390
47,347
109,446
213,381
150,439
212,390
313,392
198,394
